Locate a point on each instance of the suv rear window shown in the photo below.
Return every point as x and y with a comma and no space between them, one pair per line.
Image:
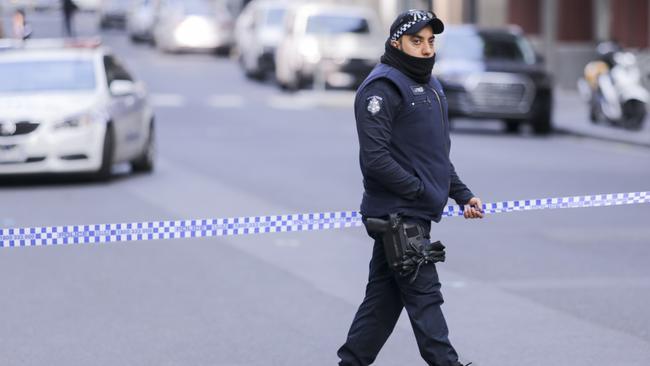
477,46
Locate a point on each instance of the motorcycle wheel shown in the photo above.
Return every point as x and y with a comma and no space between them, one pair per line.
634,113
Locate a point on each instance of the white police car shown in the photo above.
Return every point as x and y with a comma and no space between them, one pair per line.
70,106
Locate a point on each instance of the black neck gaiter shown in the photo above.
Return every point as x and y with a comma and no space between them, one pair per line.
417,68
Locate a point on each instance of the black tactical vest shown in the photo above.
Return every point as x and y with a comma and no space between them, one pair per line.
419,143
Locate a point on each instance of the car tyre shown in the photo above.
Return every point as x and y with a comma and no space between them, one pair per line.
634,112
541,121
254,74
542,124
223,51
512,126
104,172
145,162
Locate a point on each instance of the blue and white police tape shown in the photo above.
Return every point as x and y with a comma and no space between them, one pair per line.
159,230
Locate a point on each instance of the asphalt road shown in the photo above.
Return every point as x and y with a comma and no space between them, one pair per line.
562,287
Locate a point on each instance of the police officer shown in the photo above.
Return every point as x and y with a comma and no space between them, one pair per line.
401,115
68,7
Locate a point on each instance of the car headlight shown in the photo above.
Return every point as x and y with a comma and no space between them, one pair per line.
193,29
81,120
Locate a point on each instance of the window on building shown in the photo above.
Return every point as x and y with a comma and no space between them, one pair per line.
575,20
630,22
526,14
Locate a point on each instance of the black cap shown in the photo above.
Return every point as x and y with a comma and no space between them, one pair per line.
412,21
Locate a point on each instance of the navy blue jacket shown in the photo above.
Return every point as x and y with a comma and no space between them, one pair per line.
404,147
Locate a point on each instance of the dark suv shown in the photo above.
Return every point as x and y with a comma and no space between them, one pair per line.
494,74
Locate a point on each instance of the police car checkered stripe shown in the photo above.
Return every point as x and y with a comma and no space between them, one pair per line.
160,230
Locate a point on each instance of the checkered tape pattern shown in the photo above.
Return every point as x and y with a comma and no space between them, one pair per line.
417,17
600,200
162,230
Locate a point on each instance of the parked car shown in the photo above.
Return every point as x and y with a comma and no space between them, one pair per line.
112,13
193,25
71,107
328,45
258,33
140,20
494,74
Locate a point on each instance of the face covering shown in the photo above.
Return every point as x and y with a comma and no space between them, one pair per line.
416,68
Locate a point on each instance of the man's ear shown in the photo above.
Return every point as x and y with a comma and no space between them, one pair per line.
396,44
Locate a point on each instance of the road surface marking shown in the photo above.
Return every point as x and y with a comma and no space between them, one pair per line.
167,100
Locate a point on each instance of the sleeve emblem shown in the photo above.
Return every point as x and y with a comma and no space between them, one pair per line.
374,104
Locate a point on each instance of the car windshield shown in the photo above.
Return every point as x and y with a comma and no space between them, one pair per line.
197,7
41,76
275,17
336,24
480,46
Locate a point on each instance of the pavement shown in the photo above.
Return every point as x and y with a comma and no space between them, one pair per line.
571,115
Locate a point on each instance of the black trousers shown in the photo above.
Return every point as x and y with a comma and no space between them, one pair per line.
67,24
386,294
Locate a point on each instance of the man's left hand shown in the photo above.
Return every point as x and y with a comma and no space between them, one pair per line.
473,209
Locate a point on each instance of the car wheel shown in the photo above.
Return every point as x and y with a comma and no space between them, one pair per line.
634,113
145,162
512,126
541,121
593,117
104,172
542,124
254,74
223,51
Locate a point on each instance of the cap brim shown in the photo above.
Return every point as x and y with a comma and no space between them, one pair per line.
435,23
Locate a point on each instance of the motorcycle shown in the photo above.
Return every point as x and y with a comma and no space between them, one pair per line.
613,88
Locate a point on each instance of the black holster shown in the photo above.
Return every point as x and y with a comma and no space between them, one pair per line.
406,244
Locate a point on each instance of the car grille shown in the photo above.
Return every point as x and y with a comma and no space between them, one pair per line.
10,128
502,93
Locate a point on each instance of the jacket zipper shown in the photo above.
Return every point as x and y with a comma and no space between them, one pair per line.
442,117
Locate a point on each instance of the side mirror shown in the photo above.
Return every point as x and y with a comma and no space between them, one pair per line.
120,88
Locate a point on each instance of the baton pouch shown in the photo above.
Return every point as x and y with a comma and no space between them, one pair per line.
406,245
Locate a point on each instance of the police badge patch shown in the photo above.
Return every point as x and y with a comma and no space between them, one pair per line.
374,104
